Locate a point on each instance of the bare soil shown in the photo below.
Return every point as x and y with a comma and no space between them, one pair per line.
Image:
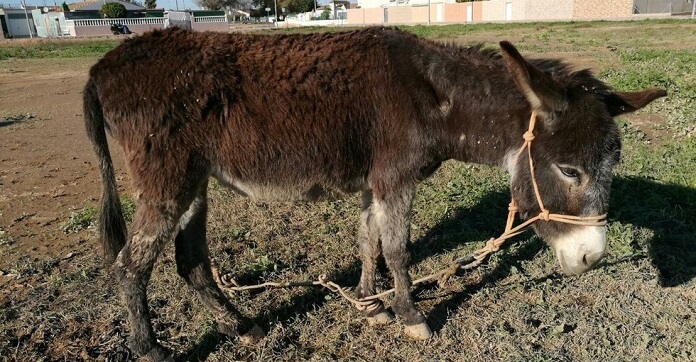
46,163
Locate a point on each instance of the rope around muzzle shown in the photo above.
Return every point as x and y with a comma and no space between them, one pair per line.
467,262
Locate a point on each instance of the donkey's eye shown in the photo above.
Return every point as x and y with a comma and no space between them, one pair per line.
569,172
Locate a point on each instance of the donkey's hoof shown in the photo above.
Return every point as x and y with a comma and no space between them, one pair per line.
159,354
419,332
254,335
380,319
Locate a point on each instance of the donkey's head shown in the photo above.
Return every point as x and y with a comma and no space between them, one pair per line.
575,147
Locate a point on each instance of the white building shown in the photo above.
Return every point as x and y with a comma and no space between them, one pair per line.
367,4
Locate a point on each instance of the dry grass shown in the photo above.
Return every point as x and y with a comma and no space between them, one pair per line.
639,304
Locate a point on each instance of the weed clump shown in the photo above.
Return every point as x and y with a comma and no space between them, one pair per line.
79,220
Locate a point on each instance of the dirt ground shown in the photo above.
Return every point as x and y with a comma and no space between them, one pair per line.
46,164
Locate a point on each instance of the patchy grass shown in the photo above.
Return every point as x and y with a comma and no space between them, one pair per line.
80,220
638,304
60,48
85,218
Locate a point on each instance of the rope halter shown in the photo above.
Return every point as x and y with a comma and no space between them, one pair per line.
493,245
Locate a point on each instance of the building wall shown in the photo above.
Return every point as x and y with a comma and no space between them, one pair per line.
491,11
221,27
355,16
478,11
17,23
519,9
420,14
369,16
51,24
547,9
374,16
399,14
602,9
494,10
455,13
106,29
662,6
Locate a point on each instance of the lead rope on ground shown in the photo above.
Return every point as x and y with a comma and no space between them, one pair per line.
467,262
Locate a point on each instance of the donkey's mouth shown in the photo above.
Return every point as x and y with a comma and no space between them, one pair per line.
570,266
580,250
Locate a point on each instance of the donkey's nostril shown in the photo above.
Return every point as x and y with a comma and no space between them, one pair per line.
584,259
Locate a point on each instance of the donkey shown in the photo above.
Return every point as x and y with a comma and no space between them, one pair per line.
315,116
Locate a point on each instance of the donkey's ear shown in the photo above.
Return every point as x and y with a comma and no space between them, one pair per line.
542,93
624,102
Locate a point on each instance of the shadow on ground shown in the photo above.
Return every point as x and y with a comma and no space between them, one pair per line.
14,119
667,210
670,212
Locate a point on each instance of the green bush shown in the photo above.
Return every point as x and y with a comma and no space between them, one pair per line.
325,15
113,10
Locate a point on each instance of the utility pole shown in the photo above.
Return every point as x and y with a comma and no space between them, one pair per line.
693,9
26,15
275,6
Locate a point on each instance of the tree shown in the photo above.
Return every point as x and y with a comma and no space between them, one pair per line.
297,6
113,10
219,4
325,15
150,4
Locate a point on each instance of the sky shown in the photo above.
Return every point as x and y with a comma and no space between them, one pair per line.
166,4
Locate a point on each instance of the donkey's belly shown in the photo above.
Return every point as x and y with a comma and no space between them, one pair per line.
291,191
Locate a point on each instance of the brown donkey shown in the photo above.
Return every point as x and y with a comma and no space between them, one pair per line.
309,117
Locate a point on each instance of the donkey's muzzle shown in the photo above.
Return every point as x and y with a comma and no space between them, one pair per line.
581,249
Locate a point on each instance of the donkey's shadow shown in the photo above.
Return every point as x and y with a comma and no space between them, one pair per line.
670,212
667,210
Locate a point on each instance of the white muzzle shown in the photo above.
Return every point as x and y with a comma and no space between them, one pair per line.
581,249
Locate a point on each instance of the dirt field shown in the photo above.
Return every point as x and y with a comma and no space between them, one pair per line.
640,304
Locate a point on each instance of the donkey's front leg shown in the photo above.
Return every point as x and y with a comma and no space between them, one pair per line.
393,216
368,237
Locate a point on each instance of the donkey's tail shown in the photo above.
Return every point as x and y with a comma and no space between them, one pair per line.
112,228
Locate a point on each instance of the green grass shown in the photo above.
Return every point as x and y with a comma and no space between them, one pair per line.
56,49
86,217
80,220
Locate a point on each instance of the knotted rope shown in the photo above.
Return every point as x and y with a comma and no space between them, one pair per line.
467,262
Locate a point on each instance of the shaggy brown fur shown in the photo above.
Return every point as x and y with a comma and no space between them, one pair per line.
288,117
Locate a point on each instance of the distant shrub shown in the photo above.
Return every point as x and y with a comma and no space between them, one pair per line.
113,10
325,15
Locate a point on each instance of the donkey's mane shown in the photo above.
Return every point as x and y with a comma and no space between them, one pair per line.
565,74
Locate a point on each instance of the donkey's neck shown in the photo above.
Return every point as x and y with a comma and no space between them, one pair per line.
487,115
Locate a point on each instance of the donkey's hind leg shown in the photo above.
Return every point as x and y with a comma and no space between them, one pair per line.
152,226
368,237
193,264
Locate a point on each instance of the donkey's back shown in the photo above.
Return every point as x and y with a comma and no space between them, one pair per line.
275,117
